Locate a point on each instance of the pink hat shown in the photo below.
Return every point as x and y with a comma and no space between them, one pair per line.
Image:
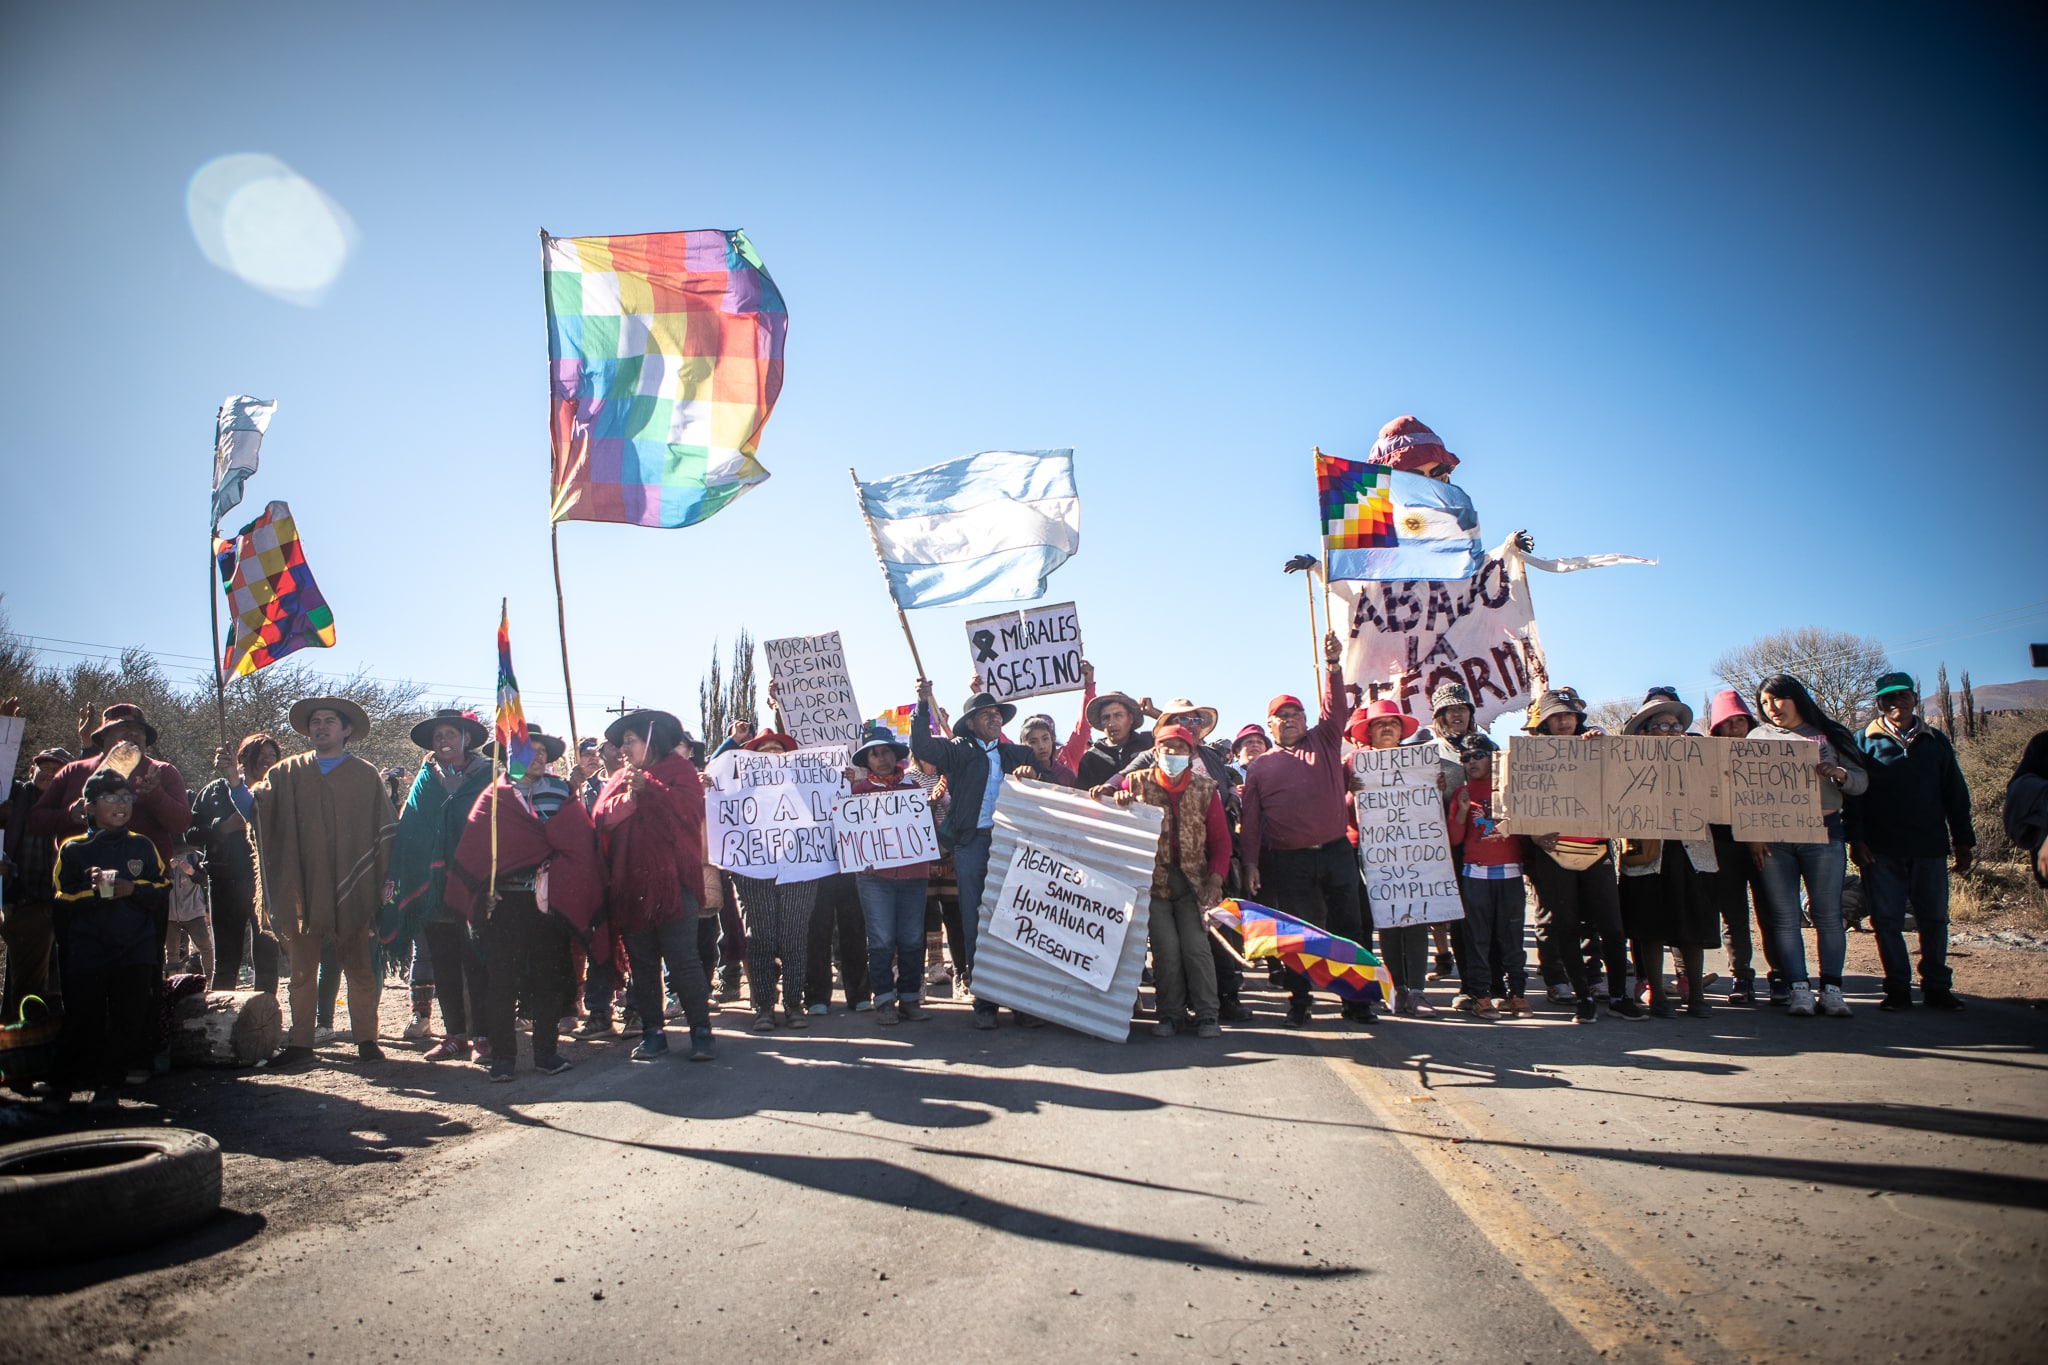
1360,727
1406,443
1726,705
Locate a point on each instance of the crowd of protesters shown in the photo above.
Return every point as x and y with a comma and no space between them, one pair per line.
578,897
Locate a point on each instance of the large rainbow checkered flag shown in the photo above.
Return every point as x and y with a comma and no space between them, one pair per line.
1383,523
1332,963
665,358
508,725
274,606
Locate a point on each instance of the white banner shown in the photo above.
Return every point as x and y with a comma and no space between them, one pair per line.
1402,840
1027,653
876,830
10,744
1066,915
770,815
812,689
1405,639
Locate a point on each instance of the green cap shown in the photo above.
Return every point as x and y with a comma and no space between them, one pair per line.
1896,682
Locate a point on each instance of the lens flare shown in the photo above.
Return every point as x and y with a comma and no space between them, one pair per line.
270,227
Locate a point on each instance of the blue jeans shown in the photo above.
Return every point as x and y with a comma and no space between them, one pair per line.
894,910
1893,883
1822,866
970,867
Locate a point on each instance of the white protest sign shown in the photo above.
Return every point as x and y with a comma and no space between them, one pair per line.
812,689
1064,914
1027,653
1402,841
10,743
876,830
1403,640
770,815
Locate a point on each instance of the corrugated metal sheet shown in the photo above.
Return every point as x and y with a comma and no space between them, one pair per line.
1120,843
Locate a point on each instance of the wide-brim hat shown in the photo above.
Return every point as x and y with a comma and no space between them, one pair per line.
1360,728
358,719
1203,718
986,701
1658,702
878,738
122,713
1552,703
472,729
767,737
551,748
1406,443
638,722
1250,732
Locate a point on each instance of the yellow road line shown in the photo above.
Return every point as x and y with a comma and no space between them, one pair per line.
1605,1313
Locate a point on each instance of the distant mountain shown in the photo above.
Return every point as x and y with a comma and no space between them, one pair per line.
2031,695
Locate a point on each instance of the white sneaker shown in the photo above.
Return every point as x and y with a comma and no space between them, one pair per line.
1802,1000
416,1029
1832,1004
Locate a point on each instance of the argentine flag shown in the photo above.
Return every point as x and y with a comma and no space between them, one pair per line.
988,528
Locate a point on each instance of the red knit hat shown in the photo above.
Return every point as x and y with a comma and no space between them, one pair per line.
1273,706
1407,444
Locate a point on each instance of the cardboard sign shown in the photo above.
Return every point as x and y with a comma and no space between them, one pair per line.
1403,843
1027,653
812,689
1066,915
1662,787
874,830
1774,792
770,815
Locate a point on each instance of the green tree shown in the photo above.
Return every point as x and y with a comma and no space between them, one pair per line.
724,696
1944,700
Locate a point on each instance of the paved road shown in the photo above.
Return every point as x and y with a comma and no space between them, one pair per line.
1750,1187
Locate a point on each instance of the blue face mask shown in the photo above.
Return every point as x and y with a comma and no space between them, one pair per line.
1173,765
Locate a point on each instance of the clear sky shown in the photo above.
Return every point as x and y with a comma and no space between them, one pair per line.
1757,293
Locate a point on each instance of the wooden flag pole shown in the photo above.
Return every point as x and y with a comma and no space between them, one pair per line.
876,542
1329,616
562,626
498,756
213,590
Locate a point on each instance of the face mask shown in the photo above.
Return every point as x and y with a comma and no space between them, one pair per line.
1173,765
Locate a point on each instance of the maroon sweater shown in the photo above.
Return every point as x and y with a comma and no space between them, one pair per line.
160,816
1297,796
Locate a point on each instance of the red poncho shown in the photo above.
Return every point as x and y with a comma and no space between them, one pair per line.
566,845
653,843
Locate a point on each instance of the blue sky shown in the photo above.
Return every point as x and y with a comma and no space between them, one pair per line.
1756,294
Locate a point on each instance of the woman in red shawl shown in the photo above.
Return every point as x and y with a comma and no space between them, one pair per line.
650,821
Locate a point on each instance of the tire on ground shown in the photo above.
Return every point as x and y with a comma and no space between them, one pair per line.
97,1193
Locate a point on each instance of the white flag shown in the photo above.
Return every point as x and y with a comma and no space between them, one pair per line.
237,441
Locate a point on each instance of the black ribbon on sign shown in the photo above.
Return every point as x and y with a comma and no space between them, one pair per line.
984,642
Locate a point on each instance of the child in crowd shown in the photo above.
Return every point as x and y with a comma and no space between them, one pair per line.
111,886
191,930
1496,972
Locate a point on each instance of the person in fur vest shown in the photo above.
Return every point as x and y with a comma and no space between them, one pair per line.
1187,876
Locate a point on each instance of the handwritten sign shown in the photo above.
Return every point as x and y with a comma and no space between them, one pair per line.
1774,792
1662,787
10,743
874,830
813,690
1553,785
1402,841
770,815
1064,914
1027,653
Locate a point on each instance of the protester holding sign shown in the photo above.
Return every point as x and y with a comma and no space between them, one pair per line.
973,763
1496,973
1791,713
650,820
777,915
1740,879
1668,885
1187,877
892,897
1577,899
1450,708
1296,811
1415,817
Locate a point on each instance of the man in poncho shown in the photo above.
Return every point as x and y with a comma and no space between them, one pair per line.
322,831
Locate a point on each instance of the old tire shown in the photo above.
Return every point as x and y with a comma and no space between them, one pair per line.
97,1193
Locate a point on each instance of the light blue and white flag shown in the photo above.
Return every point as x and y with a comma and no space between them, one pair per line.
237,441
988,528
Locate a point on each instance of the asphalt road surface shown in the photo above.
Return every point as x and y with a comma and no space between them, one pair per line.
1747,1187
